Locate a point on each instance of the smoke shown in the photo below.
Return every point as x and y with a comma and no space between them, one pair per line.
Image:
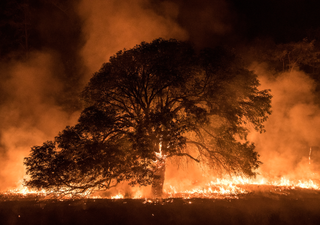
113,25
29,113
293,126
208,22
110,26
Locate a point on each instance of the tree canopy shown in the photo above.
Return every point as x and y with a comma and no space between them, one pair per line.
159,97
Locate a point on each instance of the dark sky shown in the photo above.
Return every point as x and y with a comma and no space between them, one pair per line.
283,21
207,22
50,48
279,20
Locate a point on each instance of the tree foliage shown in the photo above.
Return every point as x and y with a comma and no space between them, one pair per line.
164,94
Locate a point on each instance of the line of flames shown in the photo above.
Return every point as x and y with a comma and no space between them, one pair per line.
219,188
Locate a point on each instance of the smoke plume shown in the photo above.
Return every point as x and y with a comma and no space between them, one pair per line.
293,126
29,113
113,25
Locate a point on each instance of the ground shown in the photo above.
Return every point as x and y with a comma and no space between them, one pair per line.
261,207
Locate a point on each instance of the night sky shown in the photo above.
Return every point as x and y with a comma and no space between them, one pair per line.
49,49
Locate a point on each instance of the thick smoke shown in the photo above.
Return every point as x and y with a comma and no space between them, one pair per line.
29,114
208,22
110,26
292,128
113,25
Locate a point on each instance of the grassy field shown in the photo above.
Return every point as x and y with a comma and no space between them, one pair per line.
259,207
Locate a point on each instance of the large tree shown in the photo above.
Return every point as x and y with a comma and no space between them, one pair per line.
147,104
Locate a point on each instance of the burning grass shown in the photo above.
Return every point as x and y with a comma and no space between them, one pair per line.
215,189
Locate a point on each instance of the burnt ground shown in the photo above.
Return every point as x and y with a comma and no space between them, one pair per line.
258,207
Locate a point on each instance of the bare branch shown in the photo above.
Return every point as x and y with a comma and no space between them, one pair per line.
184,154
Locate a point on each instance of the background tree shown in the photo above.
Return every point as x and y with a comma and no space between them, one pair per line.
282,58
286,57
297,55
148,104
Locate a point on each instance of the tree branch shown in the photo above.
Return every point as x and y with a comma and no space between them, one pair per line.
184,154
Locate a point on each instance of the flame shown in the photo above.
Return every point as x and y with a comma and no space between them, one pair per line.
159,155
118,196
211,191
232,188
216,188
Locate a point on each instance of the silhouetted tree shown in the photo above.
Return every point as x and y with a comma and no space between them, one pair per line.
297,54
302,55
148,104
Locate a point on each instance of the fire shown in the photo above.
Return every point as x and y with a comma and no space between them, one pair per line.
118,196
310,184
26,191
160,158
214,189
236,186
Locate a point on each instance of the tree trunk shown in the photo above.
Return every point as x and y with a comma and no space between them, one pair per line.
159,175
